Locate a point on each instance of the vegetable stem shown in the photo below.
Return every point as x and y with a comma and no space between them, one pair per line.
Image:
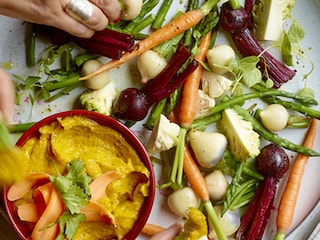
30,44
258,127
214,219
161,15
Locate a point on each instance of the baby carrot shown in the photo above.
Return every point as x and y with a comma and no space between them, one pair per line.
290,195
199,186
189,100
170,30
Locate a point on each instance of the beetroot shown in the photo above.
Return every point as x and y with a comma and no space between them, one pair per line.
238,23
133,104
272,163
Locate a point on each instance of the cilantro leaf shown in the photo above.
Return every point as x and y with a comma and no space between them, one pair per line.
74,186
68,224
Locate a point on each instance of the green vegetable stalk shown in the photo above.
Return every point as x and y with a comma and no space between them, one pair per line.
270,136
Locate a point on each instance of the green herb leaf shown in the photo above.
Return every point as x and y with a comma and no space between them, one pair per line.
69,224
74,186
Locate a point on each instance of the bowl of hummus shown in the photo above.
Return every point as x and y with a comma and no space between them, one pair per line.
87,176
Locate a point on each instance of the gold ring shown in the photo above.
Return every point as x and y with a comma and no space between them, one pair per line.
79,9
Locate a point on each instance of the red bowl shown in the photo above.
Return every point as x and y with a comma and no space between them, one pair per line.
104,120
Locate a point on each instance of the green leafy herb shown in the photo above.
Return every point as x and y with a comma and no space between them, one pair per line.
75,193
68,224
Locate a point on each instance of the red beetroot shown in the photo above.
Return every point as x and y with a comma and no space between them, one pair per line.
238,23
272,163
133,104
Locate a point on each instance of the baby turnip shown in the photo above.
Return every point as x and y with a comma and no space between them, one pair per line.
274,117
220,56
98,81
217,185
131,9
208,147
230,222
150,64
181,200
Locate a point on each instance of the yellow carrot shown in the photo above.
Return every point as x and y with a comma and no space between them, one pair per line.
290,195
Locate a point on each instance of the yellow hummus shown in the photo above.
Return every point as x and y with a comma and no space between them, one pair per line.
101,149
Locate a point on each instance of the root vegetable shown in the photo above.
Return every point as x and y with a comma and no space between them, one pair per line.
181,200
131,9
230,222
96,82
208,147
220,56
272,163
235,21
217,185
150,64
133,104
271,112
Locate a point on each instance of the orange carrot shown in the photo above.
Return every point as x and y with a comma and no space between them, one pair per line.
195,177
290,195
28,212
200,187
46,227
19,189
170,30
96,212
99,185
151,229
189,100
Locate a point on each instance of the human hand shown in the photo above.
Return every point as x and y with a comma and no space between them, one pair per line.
96,14
6,97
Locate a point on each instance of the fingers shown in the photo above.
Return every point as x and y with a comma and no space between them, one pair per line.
6,96
111,8
87,17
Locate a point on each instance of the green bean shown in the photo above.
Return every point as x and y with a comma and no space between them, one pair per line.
20,127
206,120
71,80
144,23
270,136
30,44
239,100
162,13
294,106
82,58
147,7
63,92
155,113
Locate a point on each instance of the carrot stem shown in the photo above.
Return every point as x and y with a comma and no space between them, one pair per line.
290,195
